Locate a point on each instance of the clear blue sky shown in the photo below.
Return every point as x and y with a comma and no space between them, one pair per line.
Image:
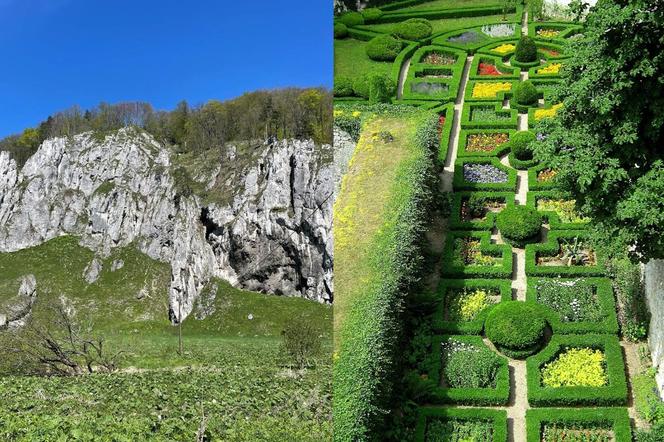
57,53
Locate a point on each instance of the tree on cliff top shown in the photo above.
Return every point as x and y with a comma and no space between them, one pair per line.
607,140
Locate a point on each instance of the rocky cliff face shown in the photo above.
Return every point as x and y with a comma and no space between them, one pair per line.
272,234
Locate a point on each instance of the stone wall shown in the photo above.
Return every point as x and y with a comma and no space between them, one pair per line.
654,286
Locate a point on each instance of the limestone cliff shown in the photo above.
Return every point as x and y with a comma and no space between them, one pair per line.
271,232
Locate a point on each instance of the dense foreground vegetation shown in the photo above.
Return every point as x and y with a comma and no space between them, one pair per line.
233,381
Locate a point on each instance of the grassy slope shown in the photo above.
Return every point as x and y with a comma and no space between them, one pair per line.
231,365
446,24
359,210
351,60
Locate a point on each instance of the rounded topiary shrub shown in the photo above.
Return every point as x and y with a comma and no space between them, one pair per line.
381,88
340,30
371,14
525,93
361,86
519,225
526,50
343,87
516,328
519,144
383,48
351,18
413,29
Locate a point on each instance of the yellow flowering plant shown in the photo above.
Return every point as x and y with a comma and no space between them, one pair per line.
551,69
576,367
490,90
504,49
547,33
547,113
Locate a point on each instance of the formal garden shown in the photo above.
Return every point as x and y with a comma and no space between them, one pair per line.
476,301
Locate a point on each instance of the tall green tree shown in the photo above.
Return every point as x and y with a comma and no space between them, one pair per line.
607,142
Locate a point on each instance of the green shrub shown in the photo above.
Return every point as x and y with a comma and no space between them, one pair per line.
614,419
655,434
351,18
343,87
520,144
519,225
472,369
437,417
526,50
384,48
525,93
340,30
646,398
516,328
381,88
413,29
371,14
361,86
477,204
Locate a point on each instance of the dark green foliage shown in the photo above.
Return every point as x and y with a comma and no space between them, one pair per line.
301,342
471,369
605,141
526,50
381,88
506,326
343,87
477,203
630,295
351,18
361,86
520,145
457,222
340,31
413,29
455,268
525,93
519,225
371,14
616,419
383,48
654,434
646,397
443,418
612,394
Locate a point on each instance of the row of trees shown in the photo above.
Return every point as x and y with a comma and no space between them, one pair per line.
279,114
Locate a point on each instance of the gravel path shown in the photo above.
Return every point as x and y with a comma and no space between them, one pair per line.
403,74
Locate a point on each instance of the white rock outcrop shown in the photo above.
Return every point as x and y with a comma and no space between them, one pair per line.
274,236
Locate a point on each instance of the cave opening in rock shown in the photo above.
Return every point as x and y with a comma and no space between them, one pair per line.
210,226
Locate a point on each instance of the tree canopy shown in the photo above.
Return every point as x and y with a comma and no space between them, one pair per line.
607,141
279,114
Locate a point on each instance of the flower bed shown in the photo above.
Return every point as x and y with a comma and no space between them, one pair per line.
490,90
491,115
504,49
565,209
576,305
566,253
500,30
466,371
567,380
472,254
548,33
465,38
551,69
483,174
488,69
578,425
488,114
484,143
539,114
429,88
439,59
465,303
541,177
477,210
461,424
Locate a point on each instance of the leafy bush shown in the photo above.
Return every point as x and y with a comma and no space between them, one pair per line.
340,30
351,18
301,342
526,50
514,336
361,86
343,86
646,398
461,424
477,204
381,88
655,434
413,29
546,423
576,367
519,225
383,48
519,144
371,14
525,93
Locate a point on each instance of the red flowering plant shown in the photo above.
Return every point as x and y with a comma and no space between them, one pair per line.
488,69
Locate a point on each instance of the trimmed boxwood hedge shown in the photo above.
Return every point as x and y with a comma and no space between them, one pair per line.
366,362
605,299
497,417
384,48
612,394
468,108
443,12
550,216
474,327
551,247
340,30
413,29
457,198
460,183
499,250
446,110
519,225
418,68
498,152
466,396
617,419
351,18
516,328
471,48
